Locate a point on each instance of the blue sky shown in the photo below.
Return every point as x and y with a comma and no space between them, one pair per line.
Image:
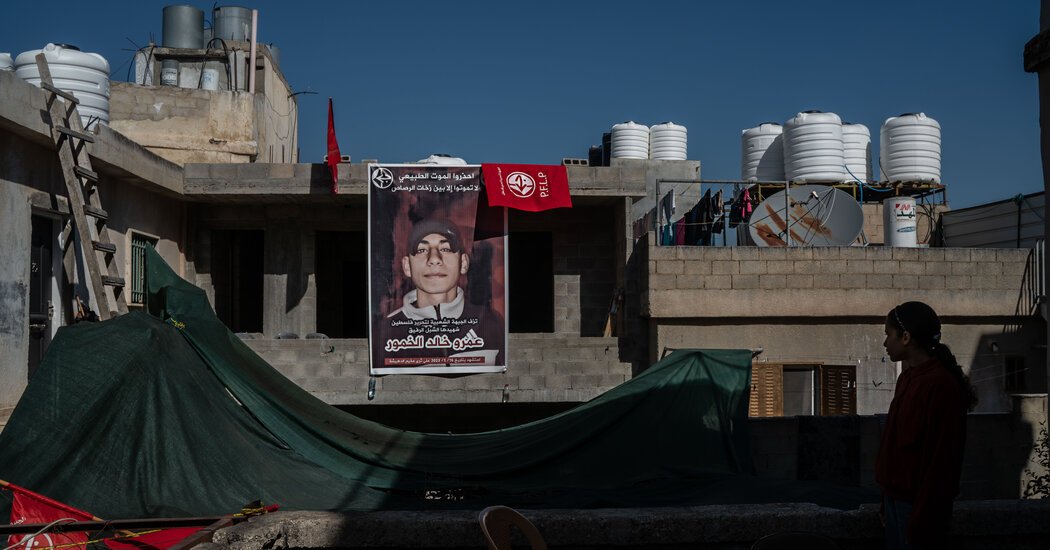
533,82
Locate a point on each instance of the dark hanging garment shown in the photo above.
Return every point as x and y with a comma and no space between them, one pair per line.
706,218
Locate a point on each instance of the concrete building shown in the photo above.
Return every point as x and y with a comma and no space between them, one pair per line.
277,253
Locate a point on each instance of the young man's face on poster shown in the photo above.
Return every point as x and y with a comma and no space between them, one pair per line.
434,264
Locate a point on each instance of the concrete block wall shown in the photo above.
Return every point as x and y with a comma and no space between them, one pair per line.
543,368
186,125
690,281
999,459
828,306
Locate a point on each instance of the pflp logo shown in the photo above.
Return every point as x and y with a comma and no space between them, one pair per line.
521,184
381,177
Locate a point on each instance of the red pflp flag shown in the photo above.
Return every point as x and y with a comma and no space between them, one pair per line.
29,507
531,187
333,149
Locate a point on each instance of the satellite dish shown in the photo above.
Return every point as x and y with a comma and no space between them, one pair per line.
819,216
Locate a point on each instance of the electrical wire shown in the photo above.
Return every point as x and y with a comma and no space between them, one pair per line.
42,530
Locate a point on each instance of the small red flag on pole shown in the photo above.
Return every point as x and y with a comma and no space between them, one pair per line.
333,150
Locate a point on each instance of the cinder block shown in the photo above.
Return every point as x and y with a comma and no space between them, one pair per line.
717,253
805,266
880,280
779,267
853,280
771,281
749,253
964,268
689,281
931,254
932,282
990,268
987,282
691,253
697,268
1012,254
887,267
722,267
799,281
792,253
831,266
827,252
827,280
956,254
910,267
879,253
906,281
529,383
910,254
746,281
859,266
983,255
957,282
752,267
670,266
718,281
661,282
938,268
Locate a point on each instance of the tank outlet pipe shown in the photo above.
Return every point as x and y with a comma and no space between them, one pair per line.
255,44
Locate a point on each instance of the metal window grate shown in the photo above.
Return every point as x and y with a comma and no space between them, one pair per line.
138,266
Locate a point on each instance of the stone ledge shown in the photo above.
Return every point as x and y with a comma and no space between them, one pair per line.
976,524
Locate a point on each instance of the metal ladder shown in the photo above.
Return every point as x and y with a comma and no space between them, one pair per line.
82,189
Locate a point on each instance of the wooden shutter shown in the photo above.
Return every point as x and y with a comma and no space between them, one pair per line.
767,390
838,390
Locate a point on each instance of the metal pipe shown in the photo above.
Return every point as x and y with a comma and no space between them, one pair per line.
255,44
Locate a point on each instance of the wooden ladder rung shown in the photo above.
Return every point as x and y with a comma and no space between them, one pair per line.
60,93
84,136
97,213
89,175
108,248
113,281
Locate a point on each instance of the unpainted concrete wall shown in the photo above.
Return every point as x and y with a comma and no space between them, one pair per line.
543,368
999,460
828,305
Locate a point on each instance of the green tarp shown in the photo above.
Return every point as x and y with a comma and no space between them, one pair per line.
168,413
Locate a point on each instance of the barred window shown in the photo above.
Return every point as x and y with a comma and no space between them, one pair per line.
139,242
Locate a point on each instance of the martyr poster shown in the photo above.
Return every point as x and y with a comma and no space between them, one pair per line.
437,264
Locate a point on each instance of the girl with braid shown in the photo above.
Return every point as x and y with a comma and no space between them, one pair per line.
920,458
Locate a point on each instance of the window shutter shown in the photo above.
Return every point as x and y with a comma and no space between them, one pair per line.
767,390
838,390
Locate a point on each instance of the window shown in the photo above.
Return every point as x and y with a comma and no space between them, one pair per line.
531,282
237,275
802,390
139,242
341,267
1013,373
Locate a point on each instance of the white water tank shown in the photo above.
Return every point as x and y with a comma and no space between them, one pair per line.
630,141
668,141
910,149
6,63
762,153
442,159
898,222
84,74
856,149
813,148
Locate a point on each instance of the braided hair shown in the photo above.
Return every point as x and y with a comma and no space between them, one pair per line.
921,322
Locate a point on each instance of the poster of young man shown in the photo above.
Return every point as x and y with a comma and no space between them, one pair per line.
437,263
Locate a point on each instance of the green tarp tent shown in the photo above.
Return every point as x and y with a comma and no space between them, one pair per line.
167,413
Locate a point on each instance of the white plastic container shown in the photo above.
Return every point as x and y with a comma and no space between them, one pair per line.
762,153
630,141
898,219
6,63
856,149
910,149
813,148
85,75
668,141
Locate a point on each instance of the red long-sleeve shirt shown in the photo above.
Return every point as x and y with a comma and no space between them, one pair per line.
920,458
